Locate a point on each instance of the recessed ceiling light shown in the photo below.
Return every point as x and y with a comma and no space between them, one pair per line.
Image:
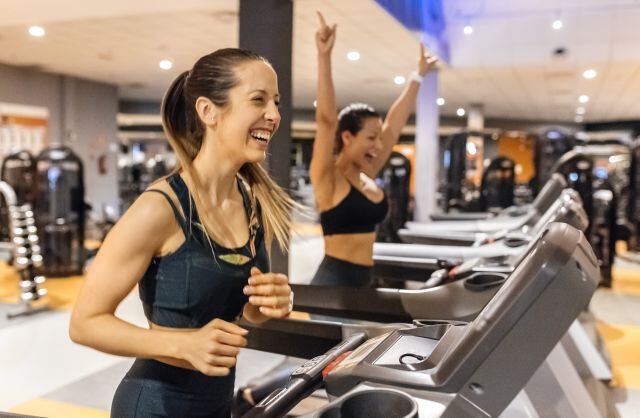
36,31
557,24
583,98
440,101
166,64
580,110
315,103
589,74
468,30
578,118
460,112
399,79
353,55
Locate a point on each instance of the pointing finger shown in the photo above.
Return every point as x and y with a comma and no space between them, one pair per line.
322,21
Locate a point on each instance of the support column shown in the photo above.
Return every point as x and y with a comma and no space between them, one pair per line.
427,149
475,117
266,27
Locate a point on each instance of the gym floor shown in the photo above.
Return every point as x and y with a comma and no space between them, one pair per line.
45,374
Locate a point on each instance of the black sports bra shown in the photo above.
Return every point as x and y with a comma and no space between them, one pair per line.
354,214
193,285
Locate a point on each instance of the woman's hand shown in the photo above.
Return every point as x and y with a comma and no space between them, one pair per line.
213,348
426,61
270,293
325,36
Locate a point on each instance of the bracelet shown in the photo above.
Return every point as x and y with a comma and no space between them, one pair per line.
415,76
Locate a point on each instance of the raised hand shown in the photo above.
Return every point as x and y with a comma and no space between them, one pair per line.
213,349
270,292
325,35
425,61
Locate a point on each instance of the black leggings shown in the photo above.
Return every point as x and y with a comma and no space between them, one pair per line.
336,272
155,389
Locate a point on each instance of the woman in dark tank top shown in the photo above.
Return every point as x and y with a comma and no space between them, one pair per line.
196,244
348,152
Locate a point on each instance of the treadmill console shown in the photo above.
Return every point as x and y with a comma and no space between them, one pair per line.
542,296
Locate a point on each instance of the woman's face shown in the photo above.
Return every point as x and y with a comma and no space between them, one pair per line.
363,147
251,117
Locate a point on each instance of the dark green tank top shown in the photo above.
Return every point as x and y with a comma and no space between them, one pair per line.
194,285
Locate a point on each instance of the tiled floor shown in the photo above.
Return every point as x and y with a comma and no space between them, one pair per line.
43,373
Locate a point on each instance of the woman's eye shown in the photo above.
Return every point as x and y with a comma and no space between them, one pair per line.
277,102
258,99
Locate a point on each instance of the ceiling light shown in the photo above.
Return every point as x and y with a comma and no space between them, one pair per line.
315,103
589,74
583,98
468,30
460,112
578,118
36,31
557,24
399,79
440,101
580,111
353,55
166,64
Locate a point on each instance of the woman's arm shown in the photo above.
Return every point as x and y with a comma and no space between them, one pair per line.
119,265
322,160
401,109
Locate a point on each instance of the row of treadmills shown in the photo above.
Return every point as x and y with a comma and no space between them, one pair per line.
499,326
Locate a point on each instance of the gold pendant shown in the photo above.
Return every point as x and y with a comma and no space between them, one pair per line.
237,259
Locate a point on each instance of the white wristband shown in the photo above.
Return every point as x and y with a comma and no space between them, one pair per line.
416,77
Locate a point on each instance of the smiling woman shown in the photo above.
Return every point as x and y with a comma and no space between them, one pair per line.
196,244
348,152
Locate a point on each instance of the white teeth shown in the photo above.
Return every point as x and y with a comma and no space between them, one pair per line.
263,135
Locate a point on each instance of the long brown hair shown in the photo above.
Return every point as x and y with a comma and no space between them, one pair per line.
212,76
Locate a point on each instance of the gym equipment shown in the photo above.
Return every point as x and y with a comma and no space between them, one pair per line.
498,184
8,200
511,218
431,257
633,209
395,183
24,254
551,145
455,370
60,210
19,171
462,166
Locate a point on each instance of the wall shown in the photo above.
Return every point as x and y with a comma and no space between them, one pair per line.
85,108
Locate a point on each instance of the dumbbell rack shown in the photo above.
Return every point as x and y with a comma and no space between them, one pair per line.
27,259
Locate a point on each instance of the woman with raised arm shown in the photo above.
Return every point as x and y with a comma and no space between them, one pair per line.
348,152
196,245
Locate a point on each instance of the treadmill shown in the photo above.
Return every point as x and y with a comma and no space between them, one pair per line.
448,368
510,218
417,261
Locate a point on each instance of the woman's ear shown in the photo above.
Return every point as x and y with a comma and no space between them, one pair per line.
347,137
207,112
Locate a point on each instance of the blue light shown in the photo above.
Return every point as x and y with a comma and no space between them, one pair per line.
53,174
601,173
573,177
425,16
554,135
